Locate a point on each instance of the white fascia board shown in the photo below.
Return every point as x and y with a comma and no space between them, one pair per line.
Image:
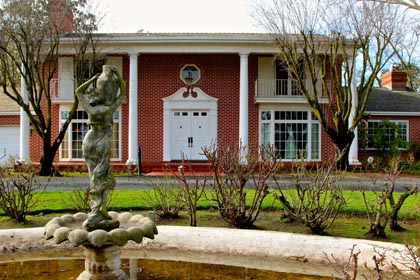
398,114
177,44
112,47
10,113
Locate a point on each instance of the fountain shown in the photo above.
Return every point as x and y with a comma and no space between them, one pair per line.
101,234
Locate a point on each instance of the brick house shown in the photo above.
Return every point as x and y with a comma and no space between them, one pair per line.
186,91
395,103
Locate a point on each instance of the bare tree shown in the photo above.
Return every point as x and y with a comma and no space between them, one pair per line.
30,36
411,4
407,39
321,44
240,183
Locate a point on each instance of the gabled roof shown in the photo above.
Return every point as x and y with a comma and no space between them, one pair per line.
383,101
7,105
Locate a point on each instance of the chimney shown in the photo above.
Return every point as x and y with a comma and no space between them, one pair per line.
396,79
61,16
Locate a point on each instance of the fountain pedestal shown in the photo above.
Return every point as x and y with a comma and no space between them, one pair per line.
102,248
100,232
103,263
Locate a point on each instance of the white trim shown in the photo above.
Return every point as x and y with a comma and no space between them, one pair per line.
243,103
309,122
287,100
186,65
11,113
176,101
65,107
394,114
133,111
392,121
24,155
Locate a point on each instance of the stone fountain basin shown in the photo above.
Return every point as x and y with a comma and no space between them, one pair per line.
278,251
131,227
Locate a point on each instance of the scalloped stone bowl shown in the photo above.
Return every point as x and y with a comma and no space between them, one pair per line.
102,248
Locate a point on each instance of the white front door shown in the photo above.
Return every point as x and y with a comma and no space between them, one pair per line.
190,134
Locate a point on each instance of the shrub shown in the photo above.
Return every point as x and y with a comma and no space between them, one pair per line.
192,191
17,192
234,173
377,211
165,197
317,199
79,198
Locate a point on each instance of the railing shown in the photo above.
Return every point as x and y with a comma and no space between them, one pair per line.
282,88
54,89
61,91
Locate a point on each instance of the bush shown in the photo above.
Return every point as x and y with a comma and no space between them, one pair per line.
317,199
17,192
234,173
165,197
192,191
377,210
79,198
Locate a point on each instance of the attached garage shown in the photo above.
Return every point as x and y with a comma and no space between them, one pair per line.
9,143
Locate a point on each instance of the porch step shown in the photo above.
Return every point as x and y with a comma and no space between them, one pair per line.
190,168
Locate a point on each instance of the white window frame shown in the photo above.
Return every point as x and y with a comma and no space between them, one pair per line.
309,122
183,79
406,122
68,132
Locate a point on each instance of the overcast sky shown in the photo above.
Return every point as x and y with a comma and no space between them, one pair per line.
176,16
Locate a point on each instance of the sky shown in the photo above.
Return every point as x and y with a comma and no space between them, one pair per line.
129,16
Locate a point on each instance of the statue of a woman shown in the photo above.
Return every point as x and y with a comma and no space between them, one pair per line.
100,97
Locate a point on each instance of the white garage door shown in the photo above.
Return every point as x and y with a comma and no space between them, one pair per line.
9,143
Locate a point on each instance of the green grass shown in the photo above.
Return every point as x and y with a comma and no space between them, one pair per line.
48,202
352,221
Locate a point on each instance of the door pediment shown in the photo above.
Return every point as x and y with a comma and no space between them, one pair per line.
193,103
179,100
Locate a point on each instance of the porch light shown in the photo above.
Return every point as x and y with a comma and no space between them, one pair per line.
190,87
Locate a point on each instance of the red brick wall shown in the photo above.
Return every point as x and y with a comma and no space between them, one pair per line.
159,78
10,120
413,133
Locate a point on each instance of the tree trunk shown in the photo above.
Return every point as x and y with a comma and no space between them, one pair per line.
394,226
46,166
343,142
47,158
343,161
377,231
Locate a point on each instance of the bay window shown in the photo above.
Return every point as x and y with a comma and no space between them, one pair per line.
71,146
292,134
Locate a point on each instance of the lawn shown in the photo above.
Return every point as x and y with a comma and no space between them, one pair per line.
352,221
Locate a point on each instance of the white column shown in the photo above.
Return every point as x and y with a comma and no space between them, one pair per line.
24,126
243,101
354,150
132,111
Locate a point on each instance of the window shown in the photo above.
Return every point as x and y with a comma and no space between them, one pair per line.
190,71
286,83
71,147
87,68
292,134
380,132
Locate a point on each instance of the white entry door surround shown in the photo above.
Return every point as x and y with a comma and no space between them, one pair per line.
189,123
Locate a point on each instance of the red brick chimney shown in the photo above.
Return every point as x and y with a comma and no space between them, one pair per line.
396,79
61,16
